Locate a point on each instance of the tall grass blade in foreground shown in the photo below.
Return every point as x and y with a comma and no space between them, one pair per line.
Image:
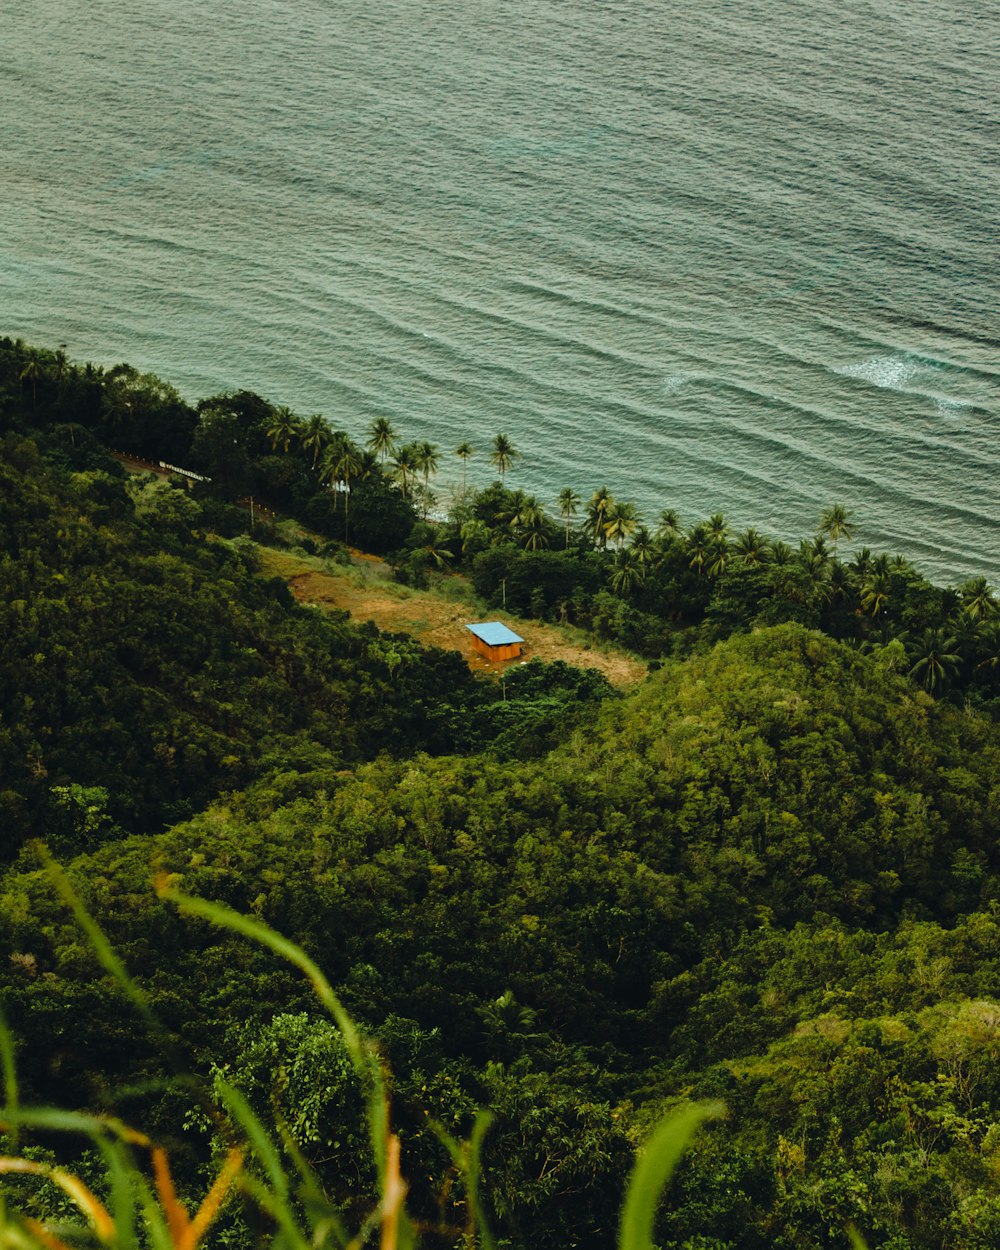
654,1168
95,936
311,1225
363,1057
467,1159
9,1076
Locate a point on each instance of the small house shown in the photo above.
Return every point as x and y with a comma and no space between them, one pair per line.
495,641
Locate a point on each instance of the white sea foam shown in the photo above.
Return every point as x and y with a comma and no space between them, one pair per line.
950,407
892,373
473,225
674,382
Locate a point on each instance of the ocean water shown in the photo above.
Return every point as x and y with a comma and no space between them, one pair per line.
735,257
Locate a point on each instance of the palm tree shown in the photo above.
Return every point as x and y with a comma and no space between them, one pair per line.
403,468
718,529
621,522
977,599
569,503
781,553
504,454
381,438
464,451
840,581
61,362
875,592
348,465
315,436
642,547
669,527
752,548
509,509
439,556
835,523
530,524
718,558
283,428
861,564
699,547
327,469
813,553
627,573
601,502
31,372
711,547
937,660
988,653
475,535
427,462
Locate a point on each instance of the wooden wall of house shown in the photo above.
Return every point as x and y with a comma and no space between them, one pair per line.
509,651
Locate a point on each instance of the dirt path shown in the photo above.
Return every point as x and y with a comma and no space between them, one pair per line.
436,617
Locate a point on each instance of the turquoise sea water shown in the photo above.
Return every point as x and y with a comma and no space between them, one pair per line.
727,256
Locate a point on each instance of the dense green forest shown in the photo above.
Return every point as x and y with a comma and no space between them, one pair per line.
769,875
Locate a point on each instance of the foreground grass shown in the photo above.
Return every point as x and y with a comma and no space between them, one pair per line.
265,1170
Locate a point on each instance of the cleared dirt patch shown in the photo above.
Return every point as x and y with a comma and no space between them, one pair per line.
435,617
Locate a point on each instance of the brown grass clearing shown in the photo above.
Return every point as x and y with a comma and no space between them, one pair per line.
437,617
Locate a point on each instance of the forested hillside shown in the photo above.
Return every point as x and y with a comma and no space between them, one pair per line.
145,666
769,875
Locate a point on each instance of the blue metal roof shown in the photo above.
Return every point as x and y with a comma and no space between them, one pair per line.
494,634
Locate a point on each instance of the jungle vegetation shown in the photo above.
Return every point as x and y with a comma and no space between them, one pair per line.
768,877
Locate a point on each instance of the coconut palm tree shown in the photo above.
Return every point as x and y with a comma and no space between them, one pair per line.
699,547
475,535
503,455
510,507
381,438
403,468
936,661
627,573
781,553
327,468
642,547
601,502
668,528
283,429
621,521
988,653
813,553
315,437
861,564
835,524
875,592
569,503
31,372
840,582
427,461
718,559
349,465
977,599
464,451
752,548
438,556
708,545
530,524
